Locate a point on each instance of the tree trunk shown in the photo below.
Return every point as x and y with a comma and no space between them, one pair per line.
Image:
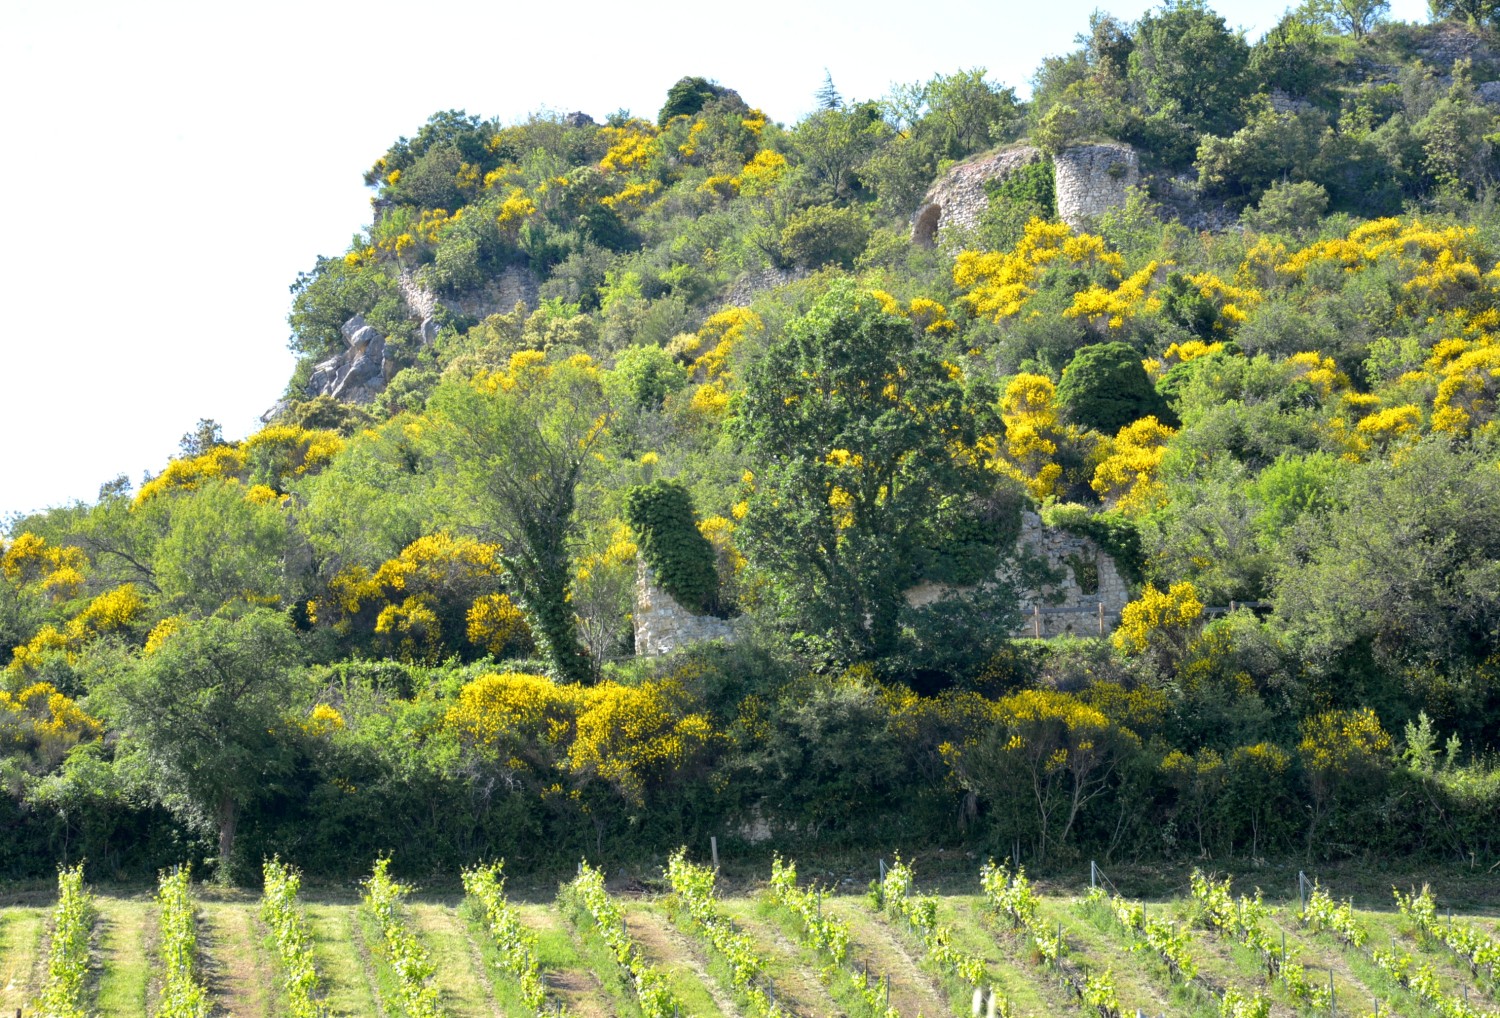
228,816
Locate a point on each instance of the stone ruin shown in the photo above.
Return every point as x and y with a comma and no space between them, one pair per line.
1083,596
1092,179
959,197
662,625
1088,180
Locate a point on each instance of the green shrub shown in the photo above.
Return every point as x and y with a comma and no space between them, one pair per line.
1105,387
1117,535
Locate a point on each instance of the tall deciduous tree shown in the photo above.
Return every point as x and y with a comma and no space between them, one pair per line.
205,707
518,443
860,434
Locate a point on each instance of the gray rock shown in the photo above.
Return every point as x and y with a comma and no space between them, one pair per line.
1488,92
427,332
362,338
352,326
577,119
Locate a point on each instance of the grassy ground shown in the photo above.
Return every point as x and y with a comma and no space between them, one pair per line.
240,967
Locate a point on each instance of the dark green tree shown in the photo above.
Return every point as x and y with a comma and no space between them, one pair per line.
1105,387
518,447
1188,68
207,710
858,434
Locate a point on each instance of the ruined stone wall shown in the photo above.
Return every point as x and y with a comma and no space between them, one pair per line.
1091,179
1086,578
959,197
662,625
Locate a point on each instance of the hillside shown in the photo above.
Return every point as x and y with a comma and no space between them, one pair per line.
1105,474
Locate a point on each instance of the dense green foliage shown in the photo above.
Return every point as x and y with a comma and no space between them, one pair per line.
409,622
667,534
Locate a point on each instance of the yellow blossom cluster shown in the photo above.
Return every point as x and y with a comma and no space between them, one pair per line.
324,719
42,720
1126,478
280,453
515,210
633,196
1032,433
1116,306
926,314
998,284
628,736
1341,741
113,611
632,146
29,559
1169,612
495,624
1437,263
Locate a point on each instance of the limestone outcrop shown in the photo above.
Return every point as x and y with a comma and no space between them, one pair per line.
360,371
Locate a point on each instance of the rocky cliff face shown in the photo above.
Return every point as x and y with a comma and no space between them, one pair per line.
360,371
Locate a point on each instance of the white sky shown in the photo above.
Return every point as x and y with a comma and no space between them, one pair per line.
170,167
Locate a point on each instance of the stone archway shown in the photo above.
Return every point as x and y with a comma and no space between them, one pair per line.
925,225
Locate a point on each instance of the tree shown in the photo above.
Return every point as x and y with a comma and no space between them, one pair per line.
859,434
206,434
968,113
1105,387
827,95
517,444
688,96
832,143
1399,585
206,708
1475,12
220,547
1353,17
1189,68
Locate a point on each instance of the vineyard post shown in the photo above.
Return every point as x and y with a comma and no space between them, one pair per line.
976,1004
882,873
1283,949
713,846
1332,1008
1093,878
990,1012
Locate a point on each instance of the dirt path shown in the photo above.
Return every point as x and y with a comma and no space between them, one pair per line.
666,948
125,928
567,977
341,970
912,990
21,934
239,975
465,990
796,981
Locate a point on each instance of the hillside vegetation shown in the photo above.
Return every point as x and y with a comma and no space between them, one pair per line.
399,617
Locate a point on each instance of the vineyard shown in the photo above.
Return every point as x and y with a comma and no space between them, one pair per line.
784,947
